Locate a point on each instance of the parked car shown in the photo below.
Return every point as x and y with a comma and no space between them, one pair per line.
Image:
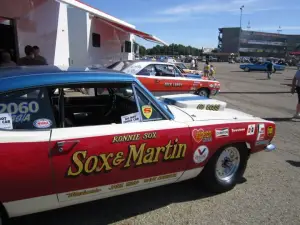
61,147
260,67
161,77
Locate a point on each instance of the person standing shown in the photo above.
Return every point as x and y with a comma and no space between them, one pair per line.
29,59
193,64
36,52
296,88
206,69
269,69
6,60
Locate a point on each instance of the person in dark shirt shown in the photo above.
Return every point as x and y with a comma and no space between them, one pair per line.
36,52
29,59
269,69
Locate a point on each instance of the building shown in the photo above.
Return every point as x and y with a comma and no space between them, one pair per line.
68,32
257,44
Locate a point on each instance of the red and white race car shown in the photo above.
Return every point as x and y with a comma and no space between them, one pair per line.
60,147
162,78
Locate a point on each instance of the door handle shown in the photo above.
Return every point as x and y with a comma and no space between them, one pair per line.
64,147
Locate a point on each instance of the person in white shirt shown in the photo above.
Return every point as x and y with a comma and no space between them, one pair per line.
193,64
296,88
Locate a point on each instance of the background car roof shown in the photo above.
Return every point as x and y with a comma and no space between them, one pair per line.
15,78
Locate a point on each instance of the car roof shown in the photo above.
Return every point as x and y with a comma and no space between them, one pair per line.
15,78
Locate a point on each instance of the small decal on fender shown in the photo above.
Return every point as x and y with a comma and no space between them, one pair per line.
201,154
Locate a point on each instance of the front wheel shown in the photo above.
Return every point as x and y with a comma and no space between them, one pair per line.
225,169
274,71
203,92
247,69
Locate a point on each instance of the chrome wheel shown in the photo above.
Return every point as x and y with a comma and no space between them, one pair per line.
227,164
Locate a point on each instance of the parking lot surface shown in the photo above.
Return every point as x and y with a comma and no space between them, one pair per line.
269,193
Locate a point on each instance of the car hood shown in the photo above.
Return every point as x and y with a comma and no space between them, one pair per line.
187,107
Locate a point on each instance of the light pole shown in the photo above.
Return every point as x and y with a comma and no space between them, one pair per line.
241,8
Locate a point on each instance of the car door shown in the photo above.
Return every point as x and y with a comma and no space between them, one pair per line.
98,161
171,80
26,120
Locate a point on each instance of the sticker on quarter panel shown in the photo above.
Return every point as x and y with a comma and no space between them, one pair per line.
261,132
201,154
251,129
42,123
222,132
6,121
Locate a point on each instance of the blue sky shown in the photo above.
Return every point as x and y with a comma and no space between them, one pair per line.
196,22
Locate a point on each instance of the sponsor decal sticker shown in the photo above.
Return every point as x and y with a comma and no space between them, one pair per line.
6,121
147,111
270,131
222,132
131,118
261,132
201,154
251,129
137,155
238,130
42,123
202,135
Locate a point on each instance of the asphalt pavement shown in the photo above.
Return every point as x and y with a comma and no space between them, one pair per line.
269,193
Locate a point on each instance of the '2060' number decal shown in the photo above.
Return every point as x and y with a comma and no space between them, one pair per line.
209,107
22,108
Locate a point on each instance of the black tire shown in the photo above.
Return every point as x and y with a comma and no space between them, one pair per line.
208,178
203,92
274,71
247,69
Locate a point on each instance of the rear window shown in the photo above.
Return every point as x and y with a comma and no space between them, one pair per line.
29,109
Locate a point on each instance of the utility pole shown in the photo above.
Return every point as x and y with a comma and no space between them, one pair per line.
241,8
279,30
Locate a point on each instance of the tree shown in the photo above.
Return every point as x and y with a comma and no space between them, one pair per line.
142,50
174,49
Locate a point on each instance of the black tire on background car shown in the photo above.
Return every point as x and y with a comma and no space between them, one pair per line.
274,71
203,92
247,69
224,169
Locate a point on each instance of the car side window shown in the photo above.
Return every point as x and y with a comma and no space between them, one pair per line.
93,105
148,71
28,109
148,111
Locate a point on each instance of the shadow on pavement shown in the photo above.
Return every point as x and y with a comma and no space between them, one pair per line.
118,208
284,119
293,163
263,79
289,85
288,79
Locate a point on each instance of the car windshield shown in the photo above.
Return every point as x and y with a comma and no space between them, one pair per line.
120,65
181,65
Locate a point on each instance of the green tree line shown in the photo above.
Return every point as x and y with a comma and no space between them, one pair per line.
173,49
